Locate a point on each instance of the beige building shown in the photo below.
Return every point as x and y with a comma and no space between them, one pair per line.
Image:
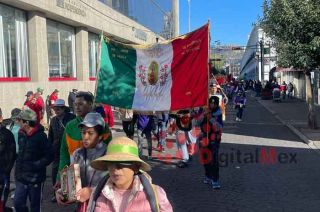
53,44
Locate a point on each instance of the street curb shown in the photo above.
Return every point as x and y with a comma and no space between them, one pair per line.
292,128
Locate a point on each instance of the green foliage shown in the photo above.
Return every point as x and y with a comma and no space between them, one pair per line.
223,72
214,71
294,26
217,61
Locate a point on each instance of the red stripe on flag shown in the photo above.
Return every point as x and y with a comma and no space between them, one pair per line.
189,70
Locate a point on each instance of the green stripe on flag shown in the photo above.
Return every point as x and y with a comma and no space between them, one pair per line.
117,75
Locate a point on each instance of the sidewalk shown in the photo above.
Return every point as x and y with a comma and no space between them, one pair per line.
294,114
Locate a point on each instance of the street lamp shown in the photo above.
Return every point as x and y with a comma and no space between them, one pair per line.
261,43
216,43
188,15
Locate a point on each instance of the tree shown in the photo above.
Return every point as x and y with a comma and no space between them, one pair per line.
294,26
214,71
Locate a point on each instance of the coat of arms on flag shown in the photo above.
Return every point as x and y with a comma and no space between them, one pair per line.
159,77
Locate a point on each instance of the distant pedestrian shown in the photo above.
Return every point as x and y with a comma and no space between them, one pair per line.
106,112
211,128
258,88
290,90
52,99
38,96
36,103
240,86
49,111
7,159
218,91
35,153
127,122
29,96
161,130
197,118
283,90
184,127
144,126
49,104
54,96
239,102
71,99
14,127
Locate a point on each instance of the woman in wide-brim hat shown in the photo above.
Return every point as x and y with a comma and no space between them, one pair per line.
127,187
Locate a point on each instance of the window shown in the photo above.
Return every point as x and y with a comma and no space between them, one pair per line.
61,50
266,50
93,43
13,43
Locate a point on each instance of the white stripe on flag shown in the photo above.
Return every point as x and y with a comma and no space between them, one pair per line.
153,94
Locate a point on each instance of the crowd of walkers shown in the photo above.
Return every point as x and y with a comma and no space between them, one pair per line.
112,173
112,170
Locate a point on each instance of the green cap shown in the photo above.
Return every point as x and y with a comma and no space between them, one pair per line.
28,115
40,90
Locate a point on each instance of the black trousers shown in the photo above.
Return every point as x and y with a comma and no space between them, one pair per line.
211,161
128,128
4,187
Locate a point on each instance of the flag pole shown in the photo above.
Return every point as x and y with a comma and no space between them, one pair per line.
208,72
98,67
208,59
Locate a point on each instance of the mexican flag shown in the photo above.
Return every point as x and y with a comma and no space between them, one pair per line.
158,77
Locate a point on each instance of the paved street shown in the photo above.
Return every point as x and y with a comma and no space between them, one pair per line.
247,183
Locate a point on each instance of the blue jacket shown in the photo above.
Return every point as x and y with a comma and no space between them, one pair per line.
144,122
239,100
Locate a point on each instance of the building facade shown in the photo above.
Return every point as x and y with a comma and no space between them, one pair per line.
53,44
259,57
227,58
297,78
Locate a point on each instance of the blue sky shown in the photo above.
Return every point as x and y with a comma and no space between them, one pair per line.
231,20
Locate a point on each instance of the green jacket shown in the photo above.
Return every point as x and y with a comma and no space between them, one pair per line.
72,140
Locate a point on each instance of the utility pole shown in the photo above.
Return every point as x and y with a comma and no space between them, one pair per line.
188,15
216,43
262,59
175,17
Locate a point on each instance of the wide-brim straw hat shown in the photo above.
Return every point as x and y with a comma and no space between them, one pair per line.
120,149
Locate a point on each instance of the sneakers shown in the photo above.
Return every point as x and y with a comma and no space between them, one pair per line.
237,119
216,185
206,180
149,158
213,184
